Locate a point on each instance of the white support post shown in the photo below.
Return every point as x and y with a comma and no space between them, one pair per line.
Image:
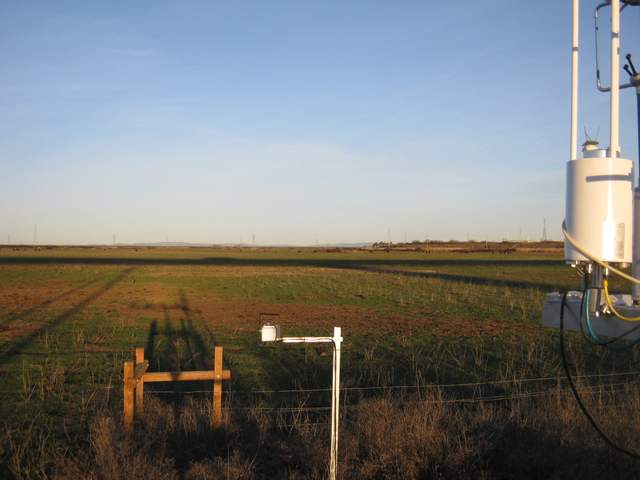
614,146
575,33
335,403
271,333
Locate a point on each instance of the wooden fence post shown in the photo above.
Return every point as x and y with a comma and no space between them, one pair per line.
139,383
217,386
135,375
129,386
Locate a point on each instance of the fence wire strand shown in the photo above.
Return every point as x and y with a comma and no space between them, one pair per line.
439,385
426,386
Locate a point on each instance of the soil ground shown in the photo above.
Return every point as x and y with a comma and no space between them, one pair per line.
70,316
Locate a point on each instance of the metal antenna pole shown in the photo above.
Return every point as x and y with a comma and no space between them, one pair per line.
635,265
573,148
638,111
614,146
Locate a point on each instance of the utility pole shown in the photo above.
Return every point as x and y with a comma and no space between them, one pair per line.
544,230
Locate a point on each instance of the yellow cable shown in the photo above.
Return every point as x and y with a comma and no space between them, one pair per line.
605,283
606,265
595,259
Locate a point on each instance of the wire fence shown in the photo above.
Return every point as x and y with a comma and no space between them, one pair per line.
613,387
476,397
407,387
438,385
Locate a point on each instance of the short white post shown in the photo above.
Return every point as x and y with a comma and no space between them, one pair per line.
271,333
335,403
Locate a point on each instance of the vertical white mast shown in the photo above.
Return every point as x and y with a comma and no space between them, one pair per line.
615,79
574,79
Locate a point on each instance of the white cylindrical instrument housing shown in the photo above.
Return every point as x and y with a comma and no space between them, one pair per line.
599,208
270,333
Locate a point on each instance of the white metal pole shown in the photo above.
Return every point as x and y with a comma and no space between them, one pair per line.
270,333
335,403
338,336
574,79
635,265
615,79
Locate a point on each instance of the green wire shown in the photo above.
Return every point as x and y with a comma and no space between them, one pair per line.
596,339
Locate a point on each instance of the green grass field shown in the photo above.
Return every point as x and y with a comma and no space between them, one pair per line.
70,316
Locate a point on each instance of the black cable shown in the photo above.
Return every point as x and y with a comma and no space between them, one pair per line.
586,413
584,293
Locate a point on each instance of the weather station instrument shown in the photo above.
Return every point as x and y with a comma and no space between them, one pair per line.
602,216
602,210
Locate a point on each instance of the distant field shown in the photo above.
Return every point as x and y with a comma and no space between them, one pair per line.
222,292
69,316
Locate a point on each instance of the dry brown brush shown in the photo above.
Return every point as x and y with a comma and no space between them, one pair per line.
387,437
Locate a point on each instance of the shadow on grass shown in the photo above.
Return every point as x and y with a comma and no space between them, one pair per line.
366,265
453,277
15,316
515,450
176,346
278,262
16,347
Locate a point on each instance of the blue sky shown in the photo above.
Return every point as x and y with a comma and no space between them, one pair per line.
299,122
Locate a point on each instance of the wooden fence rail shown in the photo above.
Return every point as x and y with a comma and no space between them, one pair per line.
136,375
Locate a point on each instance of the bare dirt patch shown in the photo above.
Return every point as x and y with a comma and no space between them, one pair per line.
233,271
243,316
